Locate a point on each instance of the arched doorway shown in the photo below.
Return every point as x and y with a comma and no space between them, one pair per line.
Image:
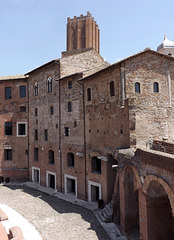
131,204
160,221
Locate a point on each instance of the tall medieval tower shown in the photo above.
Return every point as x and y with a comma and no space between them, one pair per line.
82,33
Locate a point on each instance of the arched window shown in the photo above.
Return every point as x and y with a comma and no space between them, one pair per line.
36,154
137,87
35,89
70,159
51,157
49,84
69,84
88,94
69,106
155,87
112,88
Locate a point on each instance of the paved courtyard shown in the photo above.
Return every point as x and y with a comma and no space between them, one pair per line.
52,217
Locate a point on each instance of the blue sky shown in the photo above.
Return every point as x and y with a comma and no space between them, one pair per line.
33,32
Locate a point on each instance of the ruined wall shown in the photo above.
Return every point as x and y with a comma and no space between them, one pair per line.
148,109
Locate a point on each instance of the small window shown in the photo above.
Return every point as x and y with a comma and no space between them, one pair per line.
22,109
8,128
51,110
46,135
8,154
112,88
88,94
7,92
69,84
96,165
35,89
51,157
70,160
36,135
49,84
69,106
21,129
137,87
155,87
35,112
22,91
36,154
66,131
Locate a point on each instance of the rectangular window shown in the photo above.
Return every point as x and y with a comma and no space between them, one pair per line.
22,109
8,128
36,135
51,110
69,84
96,165
7,92
46,134
22,91
21,129
8,154
36,154
35,112
66,131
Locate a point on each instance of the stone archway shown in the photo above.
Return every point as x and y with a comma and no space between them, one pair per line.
132,184
159,198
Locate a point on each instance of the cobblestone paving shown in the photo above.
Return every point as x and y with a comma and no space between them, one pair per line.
54,219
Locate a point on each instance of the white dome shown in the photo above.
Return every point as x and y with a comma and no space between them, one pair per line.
166,44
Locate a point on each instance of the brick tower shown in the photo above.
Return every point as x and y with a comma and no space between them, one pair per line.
82,33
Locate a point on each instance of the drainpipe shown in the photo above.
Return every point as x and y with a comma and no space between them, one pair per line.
169,87
59,126
84,129
28,129
122,73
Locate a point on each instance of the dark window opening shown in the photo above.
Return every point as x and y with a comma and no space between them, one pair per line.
8,93
21,129
155,87
69,106
51,181
36,154
121,131
75,123
69,84
8,154
56,125
22,109
112,88
26,152
46,134
70,160
49,85
66,129
96,165
22,91
36,135
35,111
8,128
51,157
35,89
88,94
94,193
71,186
137,87
51,110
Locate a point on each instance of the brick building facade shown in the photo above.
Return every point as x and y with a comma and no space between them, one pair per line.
67,123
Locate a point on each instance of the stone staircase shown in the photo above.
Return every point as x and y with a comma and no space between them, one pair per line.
105,214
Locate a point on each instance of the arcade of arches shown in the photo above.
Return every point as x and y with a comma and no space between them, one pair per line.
146,206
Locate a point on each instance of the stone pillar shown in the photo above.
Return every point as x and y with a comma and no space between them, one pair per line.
143,220
122,201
